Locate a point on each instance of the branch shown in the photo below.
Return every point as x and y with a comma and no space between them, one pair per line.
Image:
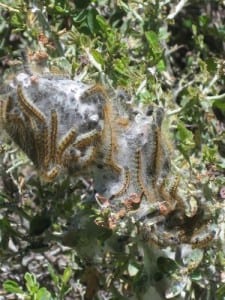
176,9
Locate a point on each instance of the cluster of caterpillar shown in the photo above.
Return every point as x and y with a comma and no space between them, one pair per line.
65,125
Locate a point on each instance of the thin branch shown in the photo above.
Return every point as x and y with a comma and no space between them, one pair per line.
9,7
216,97
211,83
174,112
176,9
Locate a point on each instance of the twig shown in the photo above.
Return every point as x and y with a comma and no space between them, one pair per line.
129,9
216,97
212,82
174,112
16,165
9,7
176,9
181,88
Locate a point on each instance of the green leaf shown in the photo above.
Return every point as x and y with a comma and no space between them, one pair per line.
155,47
60,9
194,29
161,66
12,287
132,270
43,294
220,293
17,22
196,276
91,21
102,23
211,64
209,154
219,104
166,265
53,274
185,137
221,258
31,283
3,197
176,287
204,20
97,56
121,67
66,275
153,40
80,17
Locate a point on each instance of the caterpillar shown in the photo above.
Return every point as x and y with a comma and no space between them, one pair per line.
28,108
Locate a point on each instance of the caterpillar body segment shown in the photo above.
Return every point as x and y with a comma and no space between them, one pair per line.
28,108
53,136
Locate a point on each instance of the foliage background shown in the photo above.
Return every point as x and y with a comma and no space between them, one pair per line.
170,53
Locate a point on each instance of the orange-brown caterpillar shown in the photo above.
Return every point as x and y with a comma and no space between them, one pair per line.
88,157
158,152
95,90
53,136
65,142
28,108
203,241
3,111
41,142
86,139
109,139
125,184
139,176
51,174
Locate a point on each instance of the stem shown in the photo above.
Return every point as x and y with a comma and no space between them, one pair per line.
176,9
216,97
9,7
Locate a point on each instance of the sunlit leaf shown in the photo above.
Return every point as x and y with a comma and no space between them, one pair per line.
176,288
31,283
12,287
97,56
66,275
43,294
132,270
